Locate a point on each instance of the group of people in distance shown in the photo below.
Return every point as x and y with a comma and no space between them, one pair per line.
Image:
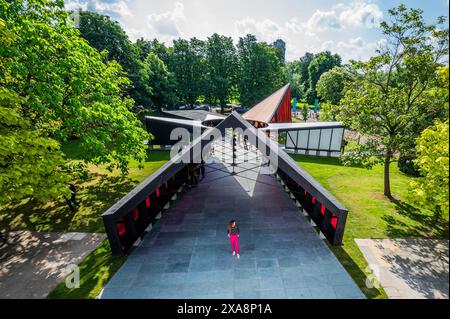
194,173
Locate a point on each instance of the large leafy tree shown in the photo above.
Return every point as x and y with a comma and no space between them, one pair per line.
298,76
162,82
54,85
103,33
260,70
388,101
431,191
330,87
144,47
221,61
321,63
187,62
30,164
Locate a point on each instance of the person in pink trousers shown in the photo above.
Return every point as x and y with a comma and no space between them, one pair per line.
233,234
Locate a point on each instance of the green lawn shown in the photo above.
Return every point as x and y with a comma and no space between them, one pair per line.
371,214
95,271
95,195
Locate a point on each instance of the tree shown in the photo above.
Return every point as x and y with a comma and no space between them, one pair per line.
330,87
102,33
321,63
54,85
187,63
260,70
297,72
431,191
221,61
162,83
144,47
388,99
29,163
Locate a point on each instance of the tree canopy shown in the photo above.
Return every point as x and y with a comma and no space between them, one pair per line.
304,73
330,87
388,101
54,86
321,63
102,33
260,70
187,62
431,191
221,61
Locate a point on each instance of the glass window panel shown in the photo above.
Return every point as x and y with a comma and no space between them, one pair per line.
325,138
336,139
314,139
290,139
302,139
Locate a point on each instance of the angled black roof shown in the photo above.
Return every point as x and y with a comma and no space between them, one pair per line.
234,120
196,115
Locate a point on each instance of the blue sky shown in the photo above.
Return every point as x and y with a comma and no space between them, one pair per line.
347,27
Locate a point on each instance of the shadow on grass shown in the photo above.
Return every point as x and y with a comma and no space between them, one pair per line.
95,196
425,224
356,273
96,270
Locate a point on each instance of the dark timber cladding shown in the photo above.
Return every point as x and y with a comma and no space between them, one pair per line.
161,128
127,220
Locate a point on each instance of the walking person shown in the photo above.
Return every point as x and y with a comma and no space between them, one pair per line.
246,142
72,202
233,234
202,169
191,175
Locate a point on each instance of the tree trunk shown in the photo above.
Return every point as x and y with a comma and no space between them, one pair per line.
387,181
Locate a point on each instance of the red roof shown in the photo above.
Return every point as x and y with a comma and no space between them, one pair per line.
265,110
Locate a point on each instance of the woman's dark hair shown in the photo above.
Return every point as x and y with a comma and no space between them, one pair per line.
230,224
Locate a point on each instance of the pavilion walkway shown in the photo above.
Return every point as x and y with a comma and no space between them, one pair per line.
187,253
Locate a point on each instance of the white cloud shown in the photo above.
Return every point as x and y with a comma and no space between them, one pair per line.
266,30
360,14
73,5
166,25
355,14
119,8
297,39
323,20
116,9
353,49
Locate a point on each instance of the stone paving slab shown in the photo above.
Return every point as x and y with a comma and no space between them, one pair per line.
33,263
282,256
409,268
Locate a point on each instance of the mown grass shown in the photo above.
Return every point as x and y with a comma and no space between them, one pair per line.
371,214
95,195
95,271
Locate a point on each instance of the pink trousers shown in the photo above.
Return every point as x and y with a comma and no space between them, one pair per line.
234,240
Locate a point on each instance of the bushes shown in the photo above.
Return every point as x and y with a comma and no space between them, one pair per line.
407,166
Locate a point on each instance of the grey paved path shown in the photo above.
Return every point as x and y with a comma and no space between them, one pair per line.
33,263
409,268
187,254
